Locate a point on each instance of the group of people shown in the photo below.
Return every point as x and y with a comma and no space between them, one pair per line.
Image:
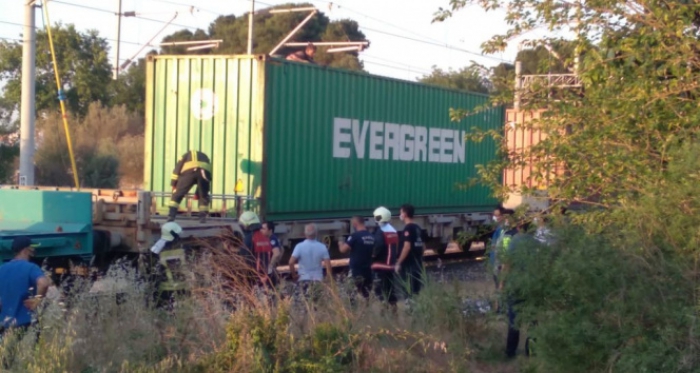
510,236
394,258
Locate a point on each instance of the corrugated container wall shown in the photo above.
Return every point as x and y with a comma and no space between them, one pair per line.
518,141
210,103
336,143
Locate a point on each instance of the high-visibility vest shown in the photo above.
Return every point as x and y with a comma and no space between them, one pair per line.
174,262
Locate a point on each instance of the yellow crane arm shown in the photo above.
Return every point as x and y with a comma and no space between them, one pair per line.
61,96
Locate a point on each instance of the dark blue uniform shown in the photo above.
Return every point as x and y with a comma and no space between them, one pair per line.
386,242
275,242
361,247
412,267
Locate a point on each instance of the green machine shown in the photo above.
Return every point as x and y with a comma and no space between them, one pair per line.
60,222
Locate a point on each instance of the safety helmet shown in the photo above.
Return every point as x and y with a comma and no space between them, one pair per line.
249,218
382,215
169,230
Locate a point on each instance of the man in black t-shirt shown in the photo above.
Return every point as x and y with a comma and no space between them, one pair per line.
410,263
360,244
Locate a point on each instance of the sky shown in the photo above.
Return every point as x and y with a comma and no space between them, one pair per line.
405,44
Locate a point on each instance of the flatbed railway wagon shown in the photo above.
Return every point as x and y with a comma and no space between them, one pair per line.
86,230
297,143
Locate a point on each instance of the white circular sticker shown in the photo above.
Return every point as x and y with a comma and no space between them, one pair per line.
204,104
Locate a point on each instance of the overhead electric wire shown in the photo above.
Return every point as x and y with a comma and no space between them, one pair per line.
398,65
383,22
397,68
437,44
109,39
115,13
427,41
189,5
12,23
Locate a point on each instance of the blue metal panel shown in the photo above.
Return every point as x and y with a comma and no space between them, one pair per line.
60,222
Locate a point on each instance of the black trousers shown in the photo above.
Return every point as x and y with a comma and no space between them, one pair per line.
385,288
412,279
513,338
363,283
185,182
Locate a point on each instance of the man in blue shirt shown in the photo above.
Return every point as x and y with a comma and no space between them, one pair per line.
17,277
312,256
360,244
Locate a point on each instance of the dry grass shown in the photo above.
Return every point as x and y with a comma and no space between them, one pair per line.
225,325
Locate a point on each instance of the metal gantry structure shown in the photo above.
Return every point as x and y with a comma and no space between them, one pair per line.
523,82
25,175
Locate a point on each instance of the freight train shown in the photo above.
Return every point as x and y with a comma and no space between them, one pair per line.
295,142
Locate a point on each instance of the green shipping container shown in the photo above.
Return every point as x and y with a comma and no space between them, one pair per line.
310,142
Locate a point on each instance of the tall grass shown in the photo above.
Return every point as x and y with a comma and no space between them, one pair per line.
224,325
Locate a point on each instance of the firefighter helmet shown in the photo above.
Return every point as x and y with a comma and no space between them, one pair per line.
382,215
249,218
169,230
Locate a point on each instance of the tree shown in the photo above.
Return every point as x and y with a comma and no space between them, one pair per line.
9,145
467,79
130,88
83,67
617,290
617,136
106,142
269,29
538,60
184,35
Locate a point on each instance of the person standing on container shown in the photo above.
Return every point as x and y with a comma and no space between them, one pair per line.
307,55
386,243
193,168
17,279
360,244
410,262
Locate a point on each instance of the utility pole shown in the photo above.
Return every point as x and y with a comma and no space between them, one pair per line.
26,142
250,27
119,35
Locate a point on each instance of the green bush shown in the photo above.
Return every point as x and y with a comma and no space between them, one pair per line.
619,290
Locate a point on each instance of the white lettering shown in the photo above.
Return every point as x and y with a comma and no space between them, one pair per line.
419,151
406,153
397,142
375,139
359,136
434,144
340,137
458,151
391,140
446,146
